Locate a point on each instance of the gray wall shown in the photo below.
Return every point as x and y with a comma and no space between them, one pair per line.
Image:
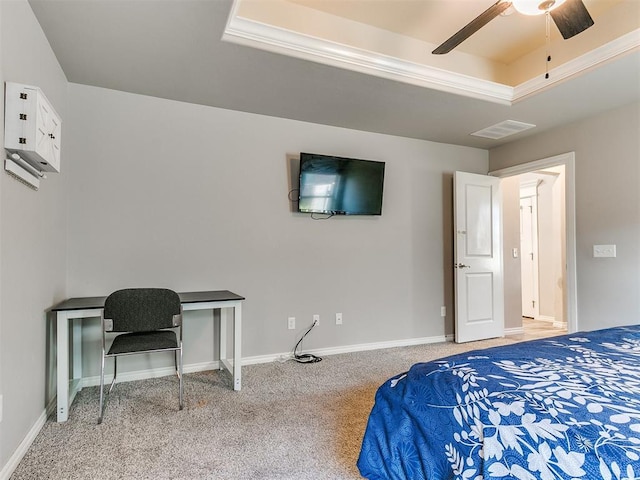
607,153
32,239
190,197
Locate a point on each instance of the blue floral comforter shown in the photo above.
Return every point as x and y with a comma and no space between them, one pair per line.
560,408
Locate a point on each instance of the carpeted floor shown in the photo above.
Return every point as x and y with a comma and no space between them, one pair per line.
290,421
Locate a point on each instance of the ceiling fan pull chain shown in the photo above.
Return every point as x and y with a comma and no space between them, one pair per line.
547,19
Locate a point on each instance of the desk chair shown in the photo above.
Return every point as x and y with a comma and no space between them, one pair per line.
146,319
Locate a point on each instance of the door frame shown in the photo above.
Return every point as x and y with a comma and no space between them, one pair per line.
568,160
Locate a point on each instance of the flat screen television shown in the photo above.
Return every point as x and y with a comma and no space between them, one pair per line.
340,186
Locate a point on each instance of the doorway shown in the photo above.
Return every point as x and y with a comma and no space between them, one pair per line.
542,248
553,188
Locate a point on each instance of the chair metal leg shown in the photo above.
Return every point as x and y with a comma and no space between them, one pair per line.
180,378
101,391
115,373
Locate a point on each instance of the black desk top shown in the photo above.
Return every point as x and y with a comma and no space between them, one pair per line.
210,296
88,303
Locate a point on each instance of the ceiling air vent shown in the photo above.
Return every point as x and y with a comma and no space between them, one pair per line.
503,129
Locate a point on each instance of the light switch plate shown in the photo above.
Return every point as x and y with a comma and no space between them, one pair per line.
604,251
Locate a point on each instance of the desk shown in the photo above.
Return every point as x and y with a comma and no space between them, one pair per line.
75,309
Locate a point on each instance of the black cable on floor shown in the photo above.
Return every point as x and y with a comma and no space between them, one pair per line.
305,357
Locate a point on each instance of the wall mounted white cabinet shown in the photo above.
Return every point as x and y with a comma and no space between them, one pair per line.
32,128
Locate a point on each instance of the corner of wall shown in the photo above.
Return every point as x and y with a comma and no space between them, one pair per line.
1,316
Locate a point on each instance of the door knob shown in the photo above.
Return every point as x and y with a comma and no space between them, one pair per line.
461,265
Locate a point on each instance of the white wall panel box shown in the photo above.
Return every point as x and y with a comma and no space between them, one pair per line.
32,128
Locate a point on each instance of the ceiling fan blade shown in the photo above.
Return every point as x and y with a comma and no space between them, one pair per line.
472,27
571,18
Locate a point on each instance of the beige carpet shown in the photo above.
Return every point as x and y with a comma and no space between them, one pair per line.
290,421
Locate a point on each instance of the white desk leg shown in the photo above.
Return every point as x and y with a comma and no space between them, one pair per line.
77,352
62,366
222,341
237,346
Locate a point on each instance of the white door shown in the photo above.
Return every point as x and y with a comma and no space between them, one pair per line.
529,256
479,302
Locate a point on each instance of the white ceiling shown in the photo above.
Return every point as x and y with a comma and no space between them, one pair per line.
173,49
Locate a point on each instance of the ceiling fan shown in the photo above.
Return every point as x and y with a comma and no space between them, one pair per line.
570,16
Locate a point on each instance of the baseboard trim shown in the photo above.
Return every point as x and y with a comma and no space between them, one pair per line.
23,448
513,331
360,347
53,405
552,320
151,373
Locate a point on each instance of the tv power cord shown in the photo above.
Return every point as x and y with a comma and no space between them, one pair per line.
305,357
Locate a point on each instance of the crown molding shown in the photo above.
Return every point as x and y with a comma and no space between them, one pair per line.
620,46
279,40
263,36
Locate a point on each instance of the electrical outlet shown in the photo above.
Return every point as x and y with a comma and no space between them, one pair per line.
292,323
338,319
443,311
316,319
604,251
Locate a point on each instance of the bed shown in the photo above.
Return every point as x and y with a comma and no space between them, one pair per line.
565,407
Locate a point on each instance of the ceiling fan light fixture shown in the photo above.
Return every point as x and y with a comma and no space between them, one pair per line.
536,7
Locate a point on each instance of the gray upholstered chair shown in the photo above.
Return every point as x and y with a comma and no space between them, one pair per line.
147,319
